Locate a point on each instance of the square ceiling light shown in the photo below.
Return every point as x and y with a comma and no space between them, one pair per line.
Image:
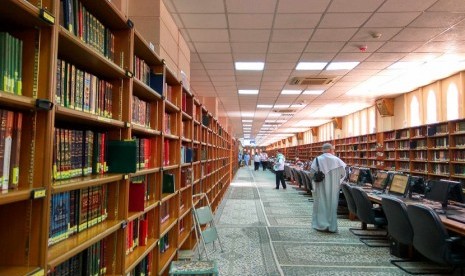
248,91
254,66
246,125
281,106
313,92
247,114
290,92
311,65
264,105
347,65
247,121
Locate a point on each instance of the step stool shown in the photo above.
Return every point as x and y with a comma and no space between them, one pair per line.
193,268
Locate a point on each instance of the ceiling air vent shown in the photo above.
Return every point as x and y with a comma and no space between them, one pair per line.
311,80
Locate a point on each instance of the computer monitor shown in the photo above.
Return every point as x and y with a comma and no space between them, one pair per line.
353,178
381,180
416,185
399,184
365,176
438,190
455,191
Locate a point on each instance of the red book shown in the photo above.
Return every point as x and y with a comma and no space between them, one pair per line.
143,231
147,149
136,197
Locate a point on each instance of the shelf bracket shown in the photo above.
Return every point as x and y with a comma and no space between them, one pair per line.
130,23
47,16
129,74
44,104
124,224
38,193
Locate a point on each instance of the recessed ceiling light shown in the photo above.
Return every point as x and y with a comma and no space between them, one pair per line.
274,114
264,106
281,106
247,121
256,66
247,125
342,65
311,65
313,92
290,92
281,121
269,121
247,114
248,91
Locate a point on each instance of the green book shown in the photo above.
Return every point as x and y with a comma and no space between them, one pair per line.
122,156
19,81
168,183
2,60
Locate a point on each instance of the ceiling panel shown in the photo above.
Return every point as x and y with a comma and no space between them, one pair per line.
249,35
208,35
286,47
197,6
247,6
244,47
215,21
302,6
343,20
291,35
449,6
220,47
334,34
354,6
392,19
437,19
405,6
296,21
250,21
216,57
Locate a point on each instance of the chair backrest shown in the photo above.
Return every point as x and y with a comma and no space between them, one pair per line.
301,177
364,207
346,190
308,180
429,234
399,226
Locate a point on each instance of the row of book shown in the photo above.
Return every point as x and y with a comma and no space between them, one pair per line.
144,268
75,211
141,111
187,155
137,233
75,18
83,91
164,212
91,261
144,152
10,148
11,62
141,70
167,123
78,153
164,243
187,176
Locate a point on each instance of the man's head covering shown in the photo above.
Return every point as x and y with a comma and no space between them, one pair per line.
327,146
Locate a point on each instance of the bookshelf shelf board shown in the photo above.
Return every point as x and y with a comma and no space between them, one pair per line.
419,161
21,13
142,50
196,122
171,77
165,259
19,270
186,117
185,188
186,140
183,236
418,149
403,149
166,197
403,139
145,172
142,130
10,196
183,165
185,212
166,226
139,254
75,116
461,176
418,137
445,148
84,182
72,49
170,107
457,148
171,167
457,133
149,205
170,136
457,162
21,103
196,142
144,91
439,161
66,249
196,181
439,174
420,172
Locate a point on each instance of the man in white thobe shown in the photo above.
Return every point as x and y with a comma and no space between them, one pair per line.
326,193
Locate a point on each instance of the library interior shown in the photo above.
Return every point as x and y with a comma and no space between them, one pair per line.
145,137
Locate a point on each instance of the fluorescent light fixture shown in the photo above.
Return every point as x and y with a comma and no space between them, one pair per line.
270,121
290,92
298,105
313,92
247,121
281,121
342,65
266,125
255,66
247,114
264,105
246,125
311,65
281,106
248,91
274,114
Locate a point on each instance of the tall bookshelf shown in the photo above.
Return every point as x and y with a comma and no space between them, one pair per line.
85,87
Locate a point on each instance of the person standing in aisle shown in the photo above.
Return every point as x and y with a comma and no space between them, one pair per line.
264,159
326,192
246,158
256,161
279,168
240,159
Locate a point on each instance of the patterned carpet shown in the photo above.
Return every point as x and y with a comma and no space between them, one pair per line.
267,232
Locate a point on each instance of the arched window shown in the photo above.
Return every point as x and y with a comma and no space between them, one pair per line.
414,112
372,120
363,123
431,110
452,102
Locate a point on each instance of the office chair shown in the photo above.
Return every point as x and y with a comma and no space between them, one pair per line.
432,240
399,227
367,214
346,190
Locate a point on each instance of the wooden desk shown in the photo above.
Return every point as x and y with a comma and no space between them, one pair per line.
451,225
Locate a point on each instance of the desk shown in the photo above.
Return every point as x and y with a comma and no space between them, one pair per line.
451,225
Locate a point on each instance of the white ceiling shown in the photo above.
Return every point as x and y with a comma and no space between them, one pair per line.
282,33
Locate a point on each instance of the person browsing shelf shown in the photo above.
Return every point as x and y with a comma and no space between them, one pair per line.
279,168
326,191
246,158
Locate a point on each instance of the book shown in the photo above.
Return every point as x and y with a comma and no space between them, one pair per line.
122,156
136,196
168,185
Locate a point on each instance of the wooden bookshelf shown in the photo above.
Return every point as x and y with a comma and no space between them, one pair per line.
132,105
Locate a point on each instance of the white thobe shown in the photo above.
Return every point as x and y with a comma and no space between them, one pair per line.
326,193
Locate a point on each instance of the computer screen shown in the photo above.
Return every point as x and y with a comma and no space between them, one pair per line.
365,176
416,185
354,175
455,191
437,190
399,184
381,180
